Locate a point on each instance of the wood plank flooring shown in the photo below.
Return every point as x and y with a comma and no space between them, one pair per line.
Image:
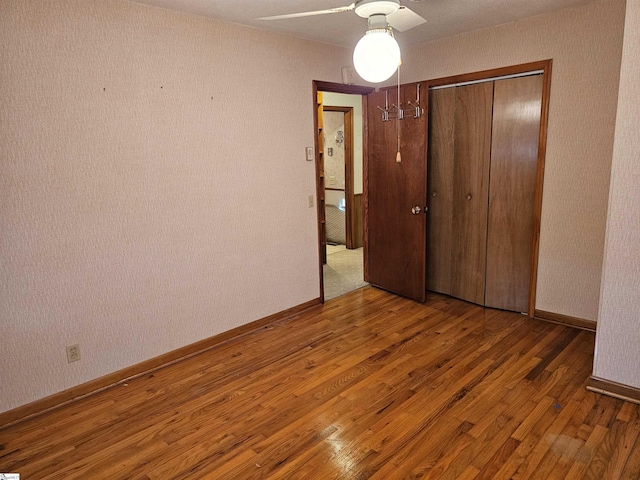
370,385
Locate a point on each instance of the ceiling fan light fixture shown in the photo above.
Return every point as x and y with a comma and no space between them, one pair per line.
366,8
377,55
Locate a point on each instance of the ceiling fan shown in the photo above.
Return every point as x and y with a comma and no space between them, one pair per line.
398,16
377,55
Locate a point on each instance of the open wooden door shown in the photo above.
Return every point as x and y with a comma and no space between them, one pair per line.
395,247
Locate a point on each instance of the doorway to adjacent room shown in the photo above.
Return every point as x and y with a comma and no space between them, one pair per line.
339,181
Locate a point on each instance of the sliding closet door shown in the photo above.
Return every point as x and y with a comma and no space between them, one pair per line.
472,150
442,105
514,157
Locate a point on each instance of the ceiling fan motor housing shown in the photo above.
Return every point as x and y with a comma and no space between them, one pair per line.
366,8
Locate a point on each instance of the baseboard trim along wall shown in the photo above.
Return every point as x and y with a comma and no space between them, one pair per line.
613,389
92,387
566,320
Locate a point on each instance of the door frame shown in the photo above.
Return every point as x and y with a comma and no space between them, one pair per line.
545,67
320,86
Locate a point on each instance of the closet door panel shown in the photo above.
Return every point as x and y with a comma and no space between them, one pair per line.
471,179
442,104
514,157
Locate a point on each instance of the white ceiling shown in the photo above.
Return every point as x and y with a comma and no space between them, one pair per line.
444,17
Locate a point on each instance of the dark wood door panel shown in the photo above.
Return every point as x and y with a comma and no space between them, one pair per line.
516,126
471,179
396,238
442,104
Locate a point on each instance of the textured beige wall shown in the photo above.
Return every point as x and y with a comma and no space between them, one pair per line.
153,187
585,45
618,334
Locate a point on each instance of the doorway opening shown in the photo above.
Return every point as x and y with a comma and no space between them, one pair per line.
342,156
339,118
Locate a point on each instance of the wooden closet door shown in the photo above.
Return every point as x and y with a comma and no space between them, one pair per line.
442,105
472,152
514,158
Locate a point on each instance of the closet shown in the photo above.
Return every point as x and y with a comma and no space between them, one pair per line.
481,187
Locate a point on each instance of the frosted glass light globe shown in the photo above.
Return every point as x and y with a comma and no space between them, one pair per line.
376,56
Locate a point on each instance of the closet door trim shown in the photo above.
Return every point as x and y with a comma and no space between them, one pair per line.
544,67
484,80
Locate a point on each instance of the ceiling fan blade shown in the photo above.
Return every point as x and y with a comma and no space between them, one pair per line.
404,19
346,8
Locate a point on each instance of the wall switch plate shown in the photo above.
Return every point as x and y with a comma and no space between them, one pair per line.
310,155
73,353
348,75
310,201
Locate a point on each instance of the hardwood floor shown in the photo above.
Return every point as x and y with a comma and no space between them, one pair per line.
370,385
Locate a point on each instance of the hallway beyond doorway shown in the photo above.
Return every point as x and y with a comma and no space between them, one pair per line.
343,271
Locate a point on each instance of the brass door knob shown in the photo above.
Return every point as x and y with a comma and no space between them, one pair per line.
417,210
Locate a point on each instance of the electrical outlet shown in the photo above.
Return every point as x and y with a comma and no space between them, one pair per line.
310,201
73,353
